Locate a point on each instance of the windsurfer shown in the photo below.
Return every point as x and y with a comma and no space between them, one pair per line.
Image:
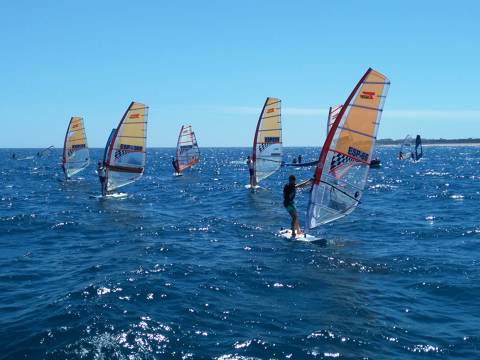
289,192
299,159
400,156
102,176
175,165
251,171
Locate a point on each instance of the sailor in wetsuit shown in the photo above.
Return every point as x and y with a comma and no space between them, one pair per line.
289,192
102,176
175,165
251,171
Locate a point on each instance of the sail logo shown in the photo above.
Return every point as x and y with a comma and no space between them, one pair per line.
358,154
76,147
269,140
74,126
126,149
184,148
272,139
134,116
367,95
270,110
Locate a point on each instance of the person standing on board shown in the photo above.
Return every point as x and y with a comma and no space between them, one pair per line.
289,192
251,171
175,165
299,159
102,176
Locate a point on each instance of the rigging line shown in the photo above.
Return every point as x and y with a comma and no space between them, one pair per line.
343,192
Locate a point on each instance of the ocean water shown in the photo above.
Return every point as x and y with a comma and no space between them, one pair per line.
191,267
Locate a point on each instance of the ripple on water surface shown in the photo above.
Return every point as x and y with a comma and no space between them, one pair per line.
191,267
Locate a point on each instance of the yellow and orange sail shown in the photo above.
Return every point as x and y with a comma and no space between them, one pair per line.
267,154
344,162
126,153
76,156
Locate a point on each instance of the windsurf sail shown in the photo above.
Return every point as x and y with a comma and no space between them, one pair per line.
344,161
46,151
332,116
126,154
267,152
418,148
406,149
76,156
187,149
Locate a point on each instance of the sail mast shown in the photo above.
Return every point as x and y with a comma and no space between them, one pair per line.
255,138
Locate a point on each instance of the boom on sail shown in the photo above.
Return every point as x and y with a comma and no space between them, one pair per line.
76,156
267,154
126,154
344,162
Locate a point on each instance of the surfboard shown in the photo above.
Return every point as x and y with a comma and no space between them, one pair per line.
256,187
177,174
110,196
287,234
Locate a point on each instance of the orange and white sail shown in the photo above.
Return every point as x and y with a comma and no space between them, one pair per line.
76,156
267,154
333,112
126,154
188,153
341,173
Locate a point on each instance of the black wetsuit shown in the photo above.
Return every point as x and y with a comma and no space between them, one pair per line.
250,167
289,192
174,164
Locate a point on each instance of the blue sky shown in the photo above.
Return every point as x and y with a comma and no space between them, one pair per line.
212,64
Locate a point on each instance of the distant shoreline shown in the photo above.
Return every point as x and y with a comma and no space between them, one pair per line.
286,146
435,144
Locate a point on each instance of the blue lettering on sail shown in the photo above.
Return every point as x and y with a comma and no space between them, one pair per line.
357,154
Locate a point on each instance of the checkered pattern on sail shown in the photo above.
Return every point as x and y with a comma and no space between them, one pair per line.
339,160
